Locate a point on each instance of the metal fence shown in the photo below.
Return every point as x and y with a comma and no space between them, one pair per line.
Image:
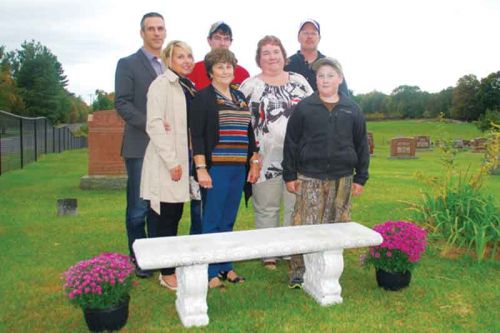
23,140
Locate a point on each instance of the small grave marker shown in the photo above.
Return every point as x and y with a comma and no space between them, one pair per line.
403,148
66,207
478,145
371,143
459,144
423,142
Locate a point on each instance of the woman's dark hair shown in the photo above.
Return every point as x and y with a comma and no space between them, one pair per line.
217,56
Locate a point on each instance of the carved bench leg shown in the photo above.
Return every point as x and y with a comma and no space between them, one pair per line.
192,287
321,280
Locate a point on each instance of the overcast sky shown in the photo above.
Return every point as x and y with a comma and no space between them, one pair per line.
381,44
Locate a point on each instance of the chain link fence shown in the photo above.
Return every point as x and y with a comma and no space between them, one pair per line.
23,140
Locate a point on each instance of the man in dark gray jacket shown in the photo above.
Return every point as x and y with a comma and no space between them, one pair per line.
134,74
301,62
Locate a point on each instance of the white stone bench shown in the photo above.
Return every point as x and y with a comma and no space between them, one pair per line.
321,244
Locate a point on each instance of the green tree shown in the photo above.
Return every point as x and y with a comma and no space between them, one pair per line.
41,80
489,121
464,104
439,103
488,96
10,99
79,110
408,101
103,101
373,102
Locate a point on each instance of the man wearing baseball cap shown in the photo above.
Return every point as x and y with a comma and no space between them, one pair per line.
301,62
219,36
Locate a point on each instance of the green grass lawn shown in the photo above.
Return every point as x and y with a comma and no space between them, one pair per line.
36,246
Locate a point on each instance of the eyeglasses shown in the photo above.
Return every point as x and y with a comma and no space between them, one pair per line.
309,33
221,39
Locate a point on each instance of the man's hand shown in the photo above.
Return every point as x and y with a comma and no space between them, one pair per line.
292,186
356,189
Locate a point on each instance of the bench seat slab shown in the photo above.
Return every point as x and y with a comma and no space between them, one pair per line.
163,252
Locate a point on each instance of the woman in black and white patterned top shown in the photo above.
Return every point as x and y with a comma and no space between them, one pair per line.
272,96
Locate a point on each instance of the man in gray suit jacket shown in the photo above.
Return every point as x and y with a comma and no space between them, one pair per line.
133,76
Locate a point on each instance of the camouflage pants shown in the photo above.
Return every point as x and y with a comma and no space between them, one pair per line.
319,201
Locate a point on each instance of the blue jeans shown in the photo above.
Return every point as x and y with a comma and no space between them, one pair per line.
220,205
195,228
137,209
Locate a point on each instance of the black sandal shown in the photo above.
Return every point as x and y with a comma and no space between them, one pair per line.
223,276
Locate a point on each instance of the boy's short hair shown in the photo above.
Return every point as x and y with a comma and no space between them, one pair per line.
327,61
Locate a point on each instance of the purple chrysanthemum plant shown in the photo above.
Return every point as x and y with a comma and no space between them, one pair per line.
101,282
403,245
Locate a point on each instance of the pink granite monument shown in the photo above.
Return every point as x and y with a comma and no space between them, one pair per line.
423,142
106,168
403,147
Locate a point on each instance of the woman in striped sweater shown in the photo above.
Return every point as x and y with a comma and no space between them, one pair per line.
223,148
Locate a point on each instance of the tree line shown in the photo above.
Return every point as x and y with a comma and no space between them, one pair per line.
470,100
32,83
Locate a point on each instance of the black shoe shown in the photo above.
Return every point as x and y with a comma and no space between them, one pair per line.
295,283
140,273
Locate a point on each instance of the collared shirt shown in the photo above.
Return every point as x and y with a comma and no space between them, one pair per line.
155,62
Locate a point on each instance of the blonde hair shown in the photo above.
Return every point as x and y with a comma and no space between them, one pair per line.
167,52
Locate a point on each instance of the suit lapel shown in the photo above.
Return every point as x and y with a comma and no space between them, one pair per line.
145,62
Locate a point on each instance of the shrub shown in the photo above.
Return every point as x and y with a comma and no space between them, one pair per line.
457,209
463,215
487,120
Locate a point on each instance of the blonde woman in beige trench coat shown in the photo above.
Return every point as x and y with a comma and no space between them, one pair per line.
165,171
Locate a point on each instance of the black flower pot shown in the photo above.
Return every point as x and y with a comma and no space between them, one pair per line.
393,280
110,319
